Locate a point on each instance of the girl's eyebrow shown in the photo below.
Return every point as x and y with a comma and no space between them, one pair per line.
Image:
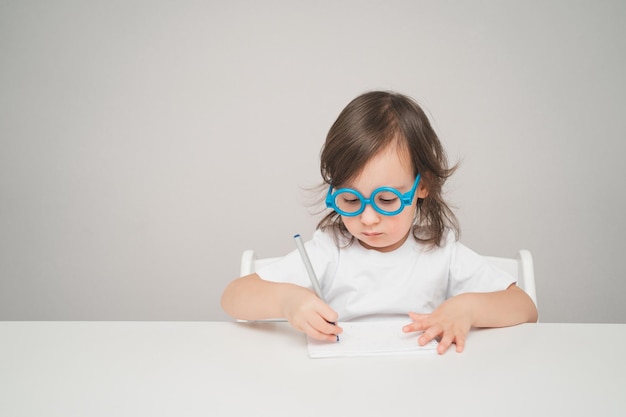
351,186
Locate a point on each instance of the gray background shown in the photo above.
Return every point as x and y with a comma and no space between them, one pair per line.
145,145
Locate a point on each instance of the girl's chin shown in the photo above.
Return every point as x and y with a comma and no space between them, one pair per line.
377,244
380,242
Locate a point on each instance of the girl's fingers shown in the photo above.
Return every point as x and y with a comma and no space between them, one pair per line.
420,322
416,316
448,339
319,335
320,329
429,334
328,314
460,343
444,343
324,326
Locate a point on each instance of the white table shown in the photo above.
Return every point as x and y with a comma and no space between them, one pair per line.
262,369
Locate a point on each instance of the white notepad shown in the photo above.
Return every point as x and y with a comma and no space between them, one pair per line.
371,339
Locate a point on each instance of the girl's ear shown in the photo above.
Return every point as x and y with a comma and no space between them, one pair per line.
422,190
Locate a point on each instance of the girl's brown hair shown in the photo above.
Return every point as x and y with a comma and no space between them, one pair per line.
366,126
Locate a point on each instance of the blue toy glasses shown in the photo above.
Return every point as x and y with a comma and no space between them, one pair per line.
385,200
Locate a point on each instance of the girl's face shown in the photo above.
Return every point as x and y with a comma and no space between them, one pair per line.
390,168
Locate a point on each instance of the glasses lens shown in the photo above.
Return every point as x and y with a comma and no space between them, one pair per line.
387,201
348,202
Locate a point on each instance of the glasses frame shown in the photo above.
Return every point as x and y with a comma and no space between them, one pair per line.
406,199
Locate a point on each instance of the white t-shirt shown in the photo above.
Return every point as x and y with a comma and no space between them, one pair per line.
361,284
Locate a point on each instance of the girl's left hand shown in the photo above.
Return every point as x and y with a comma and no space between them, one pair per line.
451,322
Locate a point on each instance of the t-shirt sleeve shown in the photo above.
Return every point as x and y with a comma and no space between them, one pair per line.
470,272
290,268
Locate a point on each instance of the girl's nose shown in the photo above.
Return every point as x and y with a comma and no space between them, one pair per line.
370,216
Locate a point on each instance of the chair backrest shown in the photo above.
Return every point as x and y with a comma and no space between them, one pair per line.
521,268
250,263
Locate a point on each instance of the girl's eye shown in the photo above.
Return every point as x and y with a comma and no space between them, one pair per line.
387,199
347,200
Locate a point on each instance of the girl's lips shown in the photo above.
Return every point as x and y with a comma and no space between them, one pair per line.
371,234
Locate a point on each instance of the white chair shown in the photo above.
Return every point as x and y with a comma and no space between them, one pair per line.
250,263
521,268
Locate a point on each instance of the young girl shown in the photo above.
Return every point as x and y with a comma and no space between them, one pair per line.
390,245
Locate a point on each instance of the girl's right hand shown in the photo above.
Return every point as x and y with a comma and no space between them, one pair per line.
304,310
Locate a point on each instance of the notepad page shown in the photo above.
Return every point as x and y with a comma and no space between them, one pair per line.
370,339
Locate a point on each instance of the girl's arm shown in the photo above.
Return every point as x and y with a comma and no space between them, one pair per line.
454,318
252,298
